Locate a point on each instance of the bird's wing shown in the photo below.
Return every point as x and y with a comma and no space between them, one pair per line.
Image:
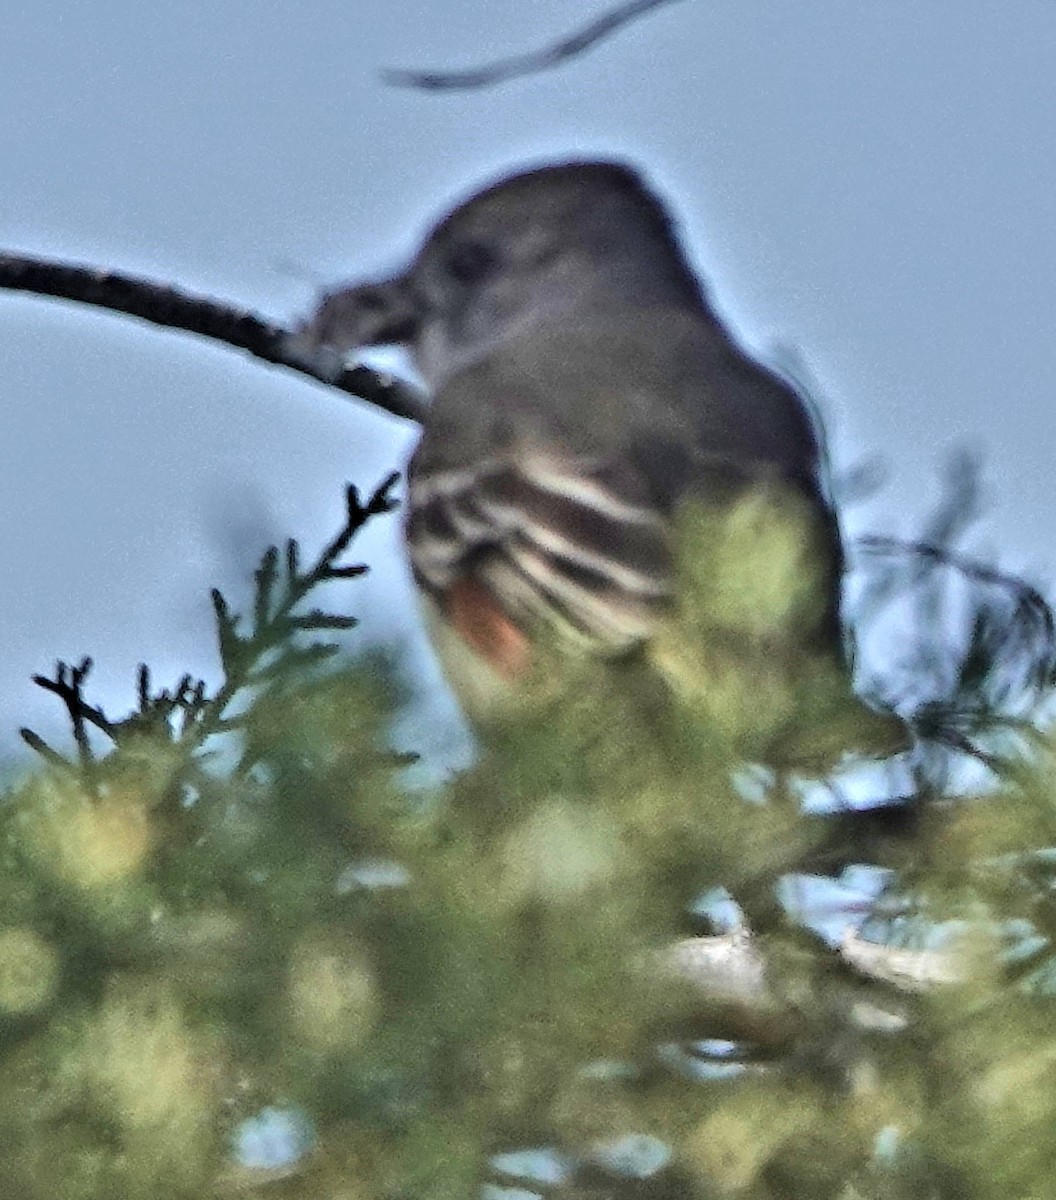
572,541
552,473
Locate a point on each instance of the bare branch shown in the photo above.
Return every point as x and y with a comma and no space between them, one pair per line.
35,742
163,305
68,685
525,64
932,551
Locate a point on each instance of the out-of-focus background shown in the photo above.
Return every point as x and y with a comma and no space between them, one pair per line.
868,185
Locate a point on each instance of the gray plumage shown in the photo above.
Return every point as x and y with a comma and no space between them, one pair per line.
583,387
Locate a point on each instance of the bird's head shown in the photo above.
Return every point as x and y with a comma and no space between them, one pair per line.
561,244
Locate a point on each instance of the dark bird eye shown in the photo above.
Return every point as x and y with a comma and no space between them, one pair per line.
470,262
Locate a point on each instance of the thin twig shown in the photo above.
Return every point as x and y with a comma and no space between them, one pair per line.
968,567
525,64
187,713
164,305
1030,604
35,742
273,625
68,685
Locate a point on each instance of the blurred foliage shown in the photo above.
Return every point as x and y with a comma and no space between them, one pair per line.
238,957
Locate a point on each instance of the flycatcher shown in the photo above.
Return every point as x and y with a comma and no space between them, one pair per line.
603,468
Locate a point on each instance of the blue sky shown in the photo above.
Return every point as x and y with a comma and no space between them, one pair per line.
870,184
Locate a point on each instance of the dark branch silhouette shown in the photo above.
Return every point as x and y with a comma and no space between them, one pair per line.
525,64
1028,599
257,651
164,305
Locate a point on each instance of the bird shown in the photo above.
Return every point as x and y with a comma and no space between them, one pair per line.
605,474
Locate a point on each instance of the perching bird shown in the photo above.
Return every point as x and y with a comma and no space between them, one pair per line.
603,468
